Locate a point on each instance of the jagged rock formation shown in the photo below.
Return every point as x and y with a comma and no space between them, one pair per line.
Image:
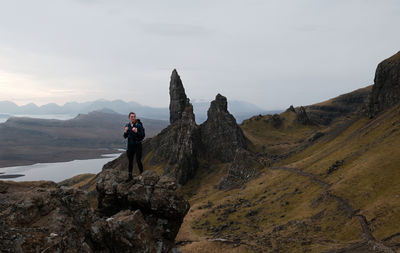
177,146
143,215
183,142
244,167
41,215
220,134
302,117
178,98
159,199
183,162
291,109
386,89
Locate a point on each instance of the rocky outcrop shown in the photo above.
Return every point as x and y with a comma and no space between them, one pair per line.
244,167
178,98
386,89
276,121
290,109
40,216
180,146
302,117
159,200
183,162
142,215
220,134
125,231
183,142
177,146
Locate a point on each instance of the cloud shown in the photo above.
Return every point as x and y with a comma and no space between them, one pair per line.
173,30
267,52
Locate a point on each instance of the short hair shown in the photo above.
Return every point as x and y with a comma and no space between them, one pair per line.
129,115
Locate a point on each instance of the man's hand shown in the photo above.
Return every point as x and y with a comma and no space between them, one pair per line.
126,129
134,129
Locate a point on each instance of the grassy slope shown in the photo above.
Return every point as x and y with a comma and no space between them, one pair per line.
264,137
370,176
368,180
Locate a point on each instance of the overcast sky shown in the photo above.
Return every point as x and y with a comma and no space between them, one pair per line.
270,53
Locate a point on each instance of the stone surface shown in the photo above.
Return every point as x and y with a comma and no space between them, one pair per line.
386,89
220,134
127,231
159,199
45,217
177,146
41,215
178,97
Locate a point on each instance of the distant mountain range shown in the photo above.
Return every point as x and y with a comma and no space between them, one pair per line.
240,109
28,140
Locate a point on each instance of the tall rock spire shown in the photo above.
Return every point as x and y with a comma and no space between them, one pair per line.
177,97
220,134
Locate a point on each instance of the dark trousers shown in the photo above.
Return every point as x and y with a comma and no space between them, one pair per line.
132,150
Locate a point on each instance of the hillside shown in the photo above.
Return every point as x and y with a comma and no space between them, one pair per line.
296,205
330,183
326,195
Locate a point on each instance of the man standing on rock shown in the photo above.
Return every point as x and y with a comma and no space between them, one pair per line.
134,131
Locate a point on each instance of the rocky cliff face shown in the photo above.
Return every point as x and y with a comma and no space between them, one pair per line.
220,134
386,89
142,215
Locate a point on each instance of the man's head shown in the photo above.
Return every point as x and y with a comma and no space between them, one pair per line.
132,117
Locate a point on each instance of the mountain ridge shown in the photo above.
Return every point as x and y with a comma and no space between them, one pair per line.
240,109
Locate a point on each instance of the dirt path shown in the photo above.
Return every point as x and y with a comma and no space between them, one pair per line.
369,239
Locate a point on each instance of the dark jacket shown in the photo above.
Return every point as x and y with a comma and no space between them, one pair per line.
134,138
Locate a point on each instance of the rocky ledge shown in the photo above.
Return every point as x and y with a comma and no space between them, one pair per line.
141,215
